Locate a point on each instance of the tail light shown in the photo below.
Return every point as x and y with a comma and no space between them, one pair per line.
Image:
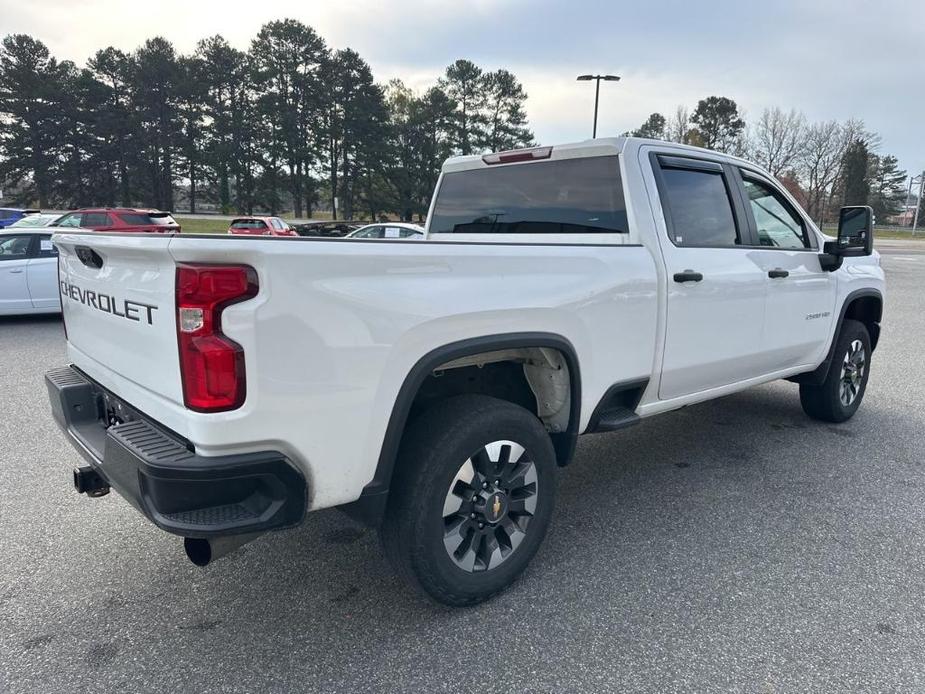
211,364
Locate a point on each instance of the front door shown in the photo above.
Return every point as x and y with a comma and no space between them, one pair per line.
799,315
716,286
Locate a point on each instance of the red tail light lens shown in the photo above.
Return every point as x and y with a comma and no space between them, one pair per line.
211,364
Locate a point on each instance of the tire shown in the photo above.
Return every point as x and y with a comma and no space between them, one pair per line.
840,395
446,456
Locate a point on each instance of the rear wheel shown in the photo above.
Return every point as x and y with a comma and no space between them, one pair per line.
471,498
840,395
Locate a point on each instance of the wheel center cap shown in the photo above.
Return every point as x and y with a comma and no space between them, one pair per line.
496,507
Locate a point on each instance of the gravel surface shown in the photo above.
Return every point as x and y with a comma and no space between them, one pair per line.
734,546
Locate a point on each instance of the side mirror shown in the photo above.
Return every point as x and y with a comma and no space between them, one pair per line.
855,231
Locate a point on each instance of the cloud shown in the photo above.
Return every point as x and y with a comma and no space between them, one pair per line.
831,59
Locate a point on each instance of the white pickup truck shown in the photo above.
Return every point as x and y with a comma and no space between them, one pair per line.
227,386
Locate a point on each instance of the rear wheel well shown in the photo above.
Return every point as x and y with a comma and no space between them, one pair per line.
536,378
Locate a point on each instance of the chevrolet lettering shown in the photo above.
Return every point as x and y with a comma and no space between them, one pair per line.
122,308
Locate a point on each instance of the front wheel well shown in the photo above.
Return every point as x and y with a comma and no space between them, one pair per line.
868,310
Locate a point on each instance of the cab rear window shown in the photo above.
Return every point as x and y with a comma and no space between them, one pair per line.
583,195
248,224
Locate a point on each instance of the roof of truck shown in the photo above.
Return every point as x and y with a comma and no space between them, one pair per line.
599,147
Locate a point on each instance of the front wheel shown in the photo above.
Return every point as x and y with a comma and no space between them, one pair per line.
471,498
840,395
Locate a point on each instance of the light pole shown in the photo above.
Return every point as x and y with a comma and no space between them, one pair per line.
918,203
597,92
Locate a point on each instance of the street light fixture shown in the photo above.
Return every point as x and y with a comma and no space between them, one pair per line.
597,92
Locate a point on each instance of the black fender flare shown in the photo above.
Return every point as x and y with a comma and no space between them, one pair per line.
370,507
817,376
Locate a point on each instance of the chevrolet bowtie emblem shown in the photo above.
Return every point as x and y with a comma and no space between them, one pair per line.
496,507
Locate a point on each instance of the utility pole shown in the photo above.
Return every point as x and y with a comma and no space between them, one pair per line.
918,203
597,93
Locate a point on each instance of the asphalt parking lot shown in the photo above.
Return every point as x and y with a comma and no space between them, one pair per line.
731,546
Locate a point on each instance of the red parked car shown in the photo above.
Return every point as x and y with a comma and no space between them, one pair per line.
119,219
261,226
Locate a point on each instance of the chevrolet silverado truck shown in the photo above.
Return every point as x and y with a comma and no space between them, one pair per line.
228,386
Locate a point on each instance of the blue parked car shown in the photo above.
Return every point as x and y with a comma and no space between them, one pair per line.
8,215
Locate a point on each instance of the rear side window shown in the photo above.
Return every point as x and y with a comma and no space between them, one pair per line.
46,248
142,219
561,196
699,207
248,224
95,219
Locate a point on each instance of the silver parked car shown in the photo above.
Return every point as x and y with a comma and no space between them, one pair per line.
28,272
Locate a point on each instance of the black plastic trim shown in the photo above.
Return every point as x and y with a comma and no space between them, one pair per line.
370,507
818,375
162,476
625,395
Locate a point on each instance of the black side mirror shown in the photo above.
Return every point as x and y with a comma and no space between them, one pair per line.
855,232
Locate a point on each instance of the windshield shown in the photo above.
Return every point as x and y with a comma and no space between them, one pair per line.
35,220
583,195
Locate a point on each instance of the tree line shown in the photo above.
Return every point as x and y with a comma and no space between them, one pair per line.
289,124
824,164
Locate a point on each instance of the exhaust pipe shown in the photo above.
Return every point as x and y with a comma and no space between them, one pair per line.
203,551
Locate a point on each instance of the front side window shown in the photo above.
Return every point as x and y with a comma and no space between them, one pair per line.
778,226
583,195
699,207
371,233
14,247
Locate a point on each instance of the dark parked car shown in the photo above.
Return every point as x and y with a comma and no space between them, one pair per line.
336,229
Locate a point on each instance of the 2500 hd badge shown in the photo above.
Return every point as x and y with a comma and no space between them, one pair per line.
109,304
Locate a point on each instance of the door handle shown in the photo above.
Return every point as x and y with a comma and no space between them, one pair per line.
687,276
15,272
778,272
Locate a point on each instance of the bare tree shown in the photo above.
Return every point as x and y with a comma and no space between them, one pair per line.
819,165
778,139
679,126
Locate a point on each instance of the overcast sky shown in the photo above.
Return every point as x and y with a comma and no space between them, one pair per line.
829,58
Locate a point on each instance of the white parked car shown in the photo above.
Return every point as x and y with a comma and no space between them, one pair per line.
28,272
434,388
388,230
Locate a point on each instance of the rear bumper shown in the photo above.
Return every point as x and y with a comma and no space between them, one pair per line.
160,474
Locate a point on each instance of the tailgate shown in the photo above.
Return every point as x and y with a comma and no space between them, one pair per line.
117,297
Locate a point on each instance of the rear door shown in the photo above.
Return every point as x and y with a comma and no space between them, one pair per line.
42,273
716,287
118,305
14,259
